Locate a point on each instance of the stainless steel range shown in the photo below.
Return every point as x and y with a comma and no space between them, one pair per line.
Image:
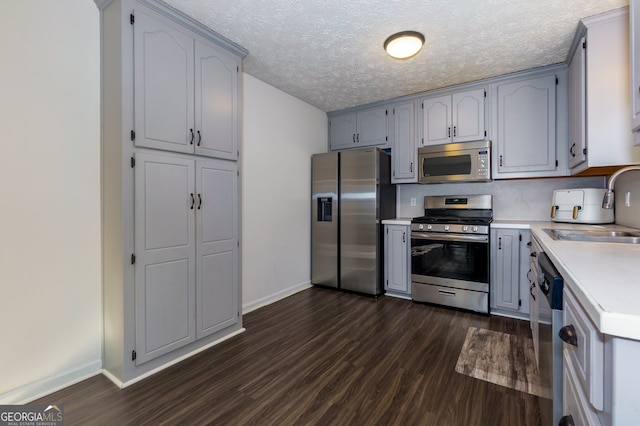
450,252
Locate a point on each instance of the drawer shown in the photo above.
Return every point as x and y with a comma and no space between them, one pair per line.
575,401
587,358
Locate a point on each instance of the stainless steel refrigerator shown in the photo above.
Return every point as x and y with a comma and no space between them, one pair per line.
351,193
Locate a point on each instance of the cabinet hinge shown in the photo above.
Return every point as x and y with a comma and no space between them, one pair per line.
556,163
133,259
133,135
134,355
556,81
133,162
132,19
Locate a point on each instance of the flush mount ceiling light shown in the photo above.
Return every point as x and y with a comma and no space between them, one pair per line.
404,44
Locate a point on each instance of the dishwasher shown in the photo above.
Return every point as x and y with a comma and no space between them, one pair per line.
550,320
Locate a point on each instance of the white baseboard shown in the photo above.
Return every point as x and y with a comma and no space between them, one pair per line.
252,306
172,362
44,387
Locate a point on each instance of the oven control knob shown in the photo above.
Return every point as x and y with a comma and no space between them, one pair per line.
465,228
447,227
429,227
475,229
421,227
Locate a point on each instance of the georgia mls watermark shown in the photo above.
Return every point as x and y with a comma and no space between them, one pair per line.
31,415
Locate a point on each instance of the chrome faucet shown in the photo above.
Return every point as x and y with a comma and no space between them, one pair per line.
607,201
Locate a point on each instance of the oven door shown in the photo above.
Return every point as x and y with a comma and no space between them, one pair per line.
451,260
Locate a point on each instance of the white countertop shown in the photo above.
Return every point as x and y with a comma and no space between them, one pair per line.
605,277
398,221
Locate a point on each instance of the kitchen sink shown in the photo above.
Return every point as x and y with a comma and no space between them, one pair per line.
601,236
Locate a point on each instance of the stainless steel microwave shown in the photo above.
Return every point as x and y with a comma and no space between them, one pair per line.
459,162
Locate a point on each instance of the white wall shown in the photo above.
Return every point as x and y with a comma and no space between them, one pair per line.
50,285
280,134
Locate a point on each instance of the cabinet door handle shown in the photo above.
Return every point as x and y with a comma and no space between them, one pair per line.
572,150
411,167
192,136
199,201
449,132
500,243
501,161
533,296
568,335
193,201
404,237
358,137
454,131
354,138
566,421
199,138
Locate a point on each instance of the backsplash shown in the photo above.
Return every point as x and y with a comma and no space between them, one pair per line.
628,182
522,199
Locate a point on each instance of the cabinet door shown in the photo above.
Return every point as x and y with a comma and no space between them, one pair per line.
436,118
216,103
468,116
342,131
396,253
527,125
165,255
404,150
163,92
577,107
372,128
634,17
216,246
507,279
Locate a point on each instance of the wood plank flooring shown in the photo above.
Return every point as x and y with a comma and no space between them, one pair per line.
319,357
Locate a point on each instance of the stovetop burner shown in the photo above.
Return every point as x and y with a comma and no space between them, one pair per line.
465,210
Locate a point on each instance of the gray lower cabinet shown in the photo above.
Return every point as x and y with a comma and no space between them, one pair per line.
170,185
186,251
508,274
397,254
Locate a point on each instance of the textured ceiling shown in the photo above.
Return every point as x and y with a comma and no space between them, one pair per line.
329,52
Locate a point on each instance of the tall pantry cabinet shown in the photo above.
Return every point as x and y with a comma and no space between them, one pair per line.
170,187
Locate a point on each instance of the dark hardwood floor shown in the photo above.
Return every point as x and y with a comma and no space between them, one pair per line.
319,357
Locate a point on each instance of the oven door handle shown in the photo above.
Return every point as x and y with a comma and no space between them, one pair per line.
450,237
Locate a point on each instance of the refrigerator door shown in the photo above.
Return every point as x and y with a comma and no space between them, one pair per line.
324,219
358,221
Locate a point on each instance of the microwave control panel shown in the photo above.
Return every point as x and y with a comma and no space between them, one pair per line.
483,164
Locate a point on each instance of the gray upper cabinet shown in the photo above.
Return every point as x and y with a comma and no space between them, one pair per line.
457,117
599,118
525,144
404,153
634,26
577,106
186,91
359,129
